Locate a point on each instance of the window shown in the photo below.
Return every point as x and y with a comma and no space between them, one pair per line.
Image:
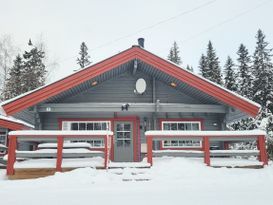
181,125
88,125
3,138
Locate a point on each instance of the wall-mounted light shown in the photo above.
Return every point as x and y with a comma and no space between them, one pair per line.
173,84
94,83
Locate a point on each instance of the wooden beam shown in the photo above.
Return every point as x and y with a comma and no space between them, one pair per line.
133,107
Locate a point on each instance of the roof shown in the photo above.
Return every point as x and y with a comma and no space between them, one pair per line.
12,123
38,95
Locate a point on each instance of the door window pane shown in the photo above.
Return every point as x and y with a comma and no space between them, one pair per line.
82,126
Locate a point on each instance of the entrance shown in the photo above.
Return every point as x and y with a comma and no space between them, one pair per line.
123,141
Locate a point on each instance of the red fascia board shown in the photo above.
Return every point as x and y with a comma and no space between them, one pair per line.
69,82
125,56
198,83
11,125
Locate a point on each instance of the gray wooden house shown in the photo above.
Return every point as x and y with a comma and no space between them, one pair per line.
130,93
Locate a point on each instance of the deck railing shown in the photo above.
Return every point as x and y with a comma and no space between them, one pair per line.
206,137
59,137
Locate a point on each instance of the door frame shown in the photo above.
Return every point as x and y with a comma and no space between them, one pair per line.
136,138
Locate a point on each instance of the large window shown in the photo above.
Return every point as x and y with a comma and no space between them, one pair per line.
88,125
180,126
3,138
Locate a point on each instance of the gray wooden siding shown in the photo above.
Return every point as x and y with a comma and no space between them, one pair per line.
211,121
26,116
121,89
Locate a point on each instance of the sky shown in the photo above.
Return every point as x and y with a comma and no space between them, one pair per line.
109,27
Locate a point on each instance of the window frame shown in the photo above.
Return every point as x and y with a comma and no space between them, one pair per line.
91,142
177,121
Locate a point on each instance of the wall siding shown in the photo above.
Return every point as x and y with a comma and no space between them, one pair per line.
121,89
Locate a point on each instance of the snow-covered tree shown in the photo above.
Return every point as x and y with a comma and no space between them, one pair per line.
34,72
213,66
174,54
189,68
14,82
230,75
263,73
245,78
203,66
83,60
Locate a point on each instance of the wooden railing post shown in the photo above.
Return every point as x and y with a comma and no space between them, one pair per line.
261,146
105,151
11,154
60,141
150,150
206,150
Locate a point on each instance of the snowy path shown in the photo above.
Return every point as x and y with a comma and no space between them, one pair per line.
180,181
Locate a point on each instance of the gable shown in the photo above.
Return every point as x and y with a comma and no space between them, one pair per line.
155,64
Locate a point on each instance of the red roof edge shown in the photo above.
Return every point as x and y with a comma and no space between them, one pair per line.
13,125
39,95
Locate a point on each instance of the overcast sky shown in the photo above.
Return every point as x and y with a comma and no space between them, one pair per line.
109,27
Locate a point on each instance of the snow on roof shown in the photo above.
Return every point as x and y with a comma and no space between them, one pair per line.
60,132
199,76
13,119
206,133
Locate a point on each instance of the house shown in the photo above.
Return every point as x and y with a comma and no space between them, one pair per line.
127,95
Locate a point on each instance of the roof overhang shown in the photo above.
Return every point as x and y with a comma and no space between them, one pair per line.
13,125
34,97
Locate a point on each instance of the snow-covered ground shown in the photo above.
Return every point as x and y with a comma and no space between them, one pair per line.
169,181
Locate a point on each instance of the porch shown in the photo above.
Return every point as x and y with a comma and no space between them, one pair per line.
206,138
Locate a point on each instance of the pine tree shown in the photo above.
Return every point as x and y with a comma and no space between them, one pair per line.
213,66
189,68
230,75
34,72
14,82
174,54
83,60
203,66
263,73
245,78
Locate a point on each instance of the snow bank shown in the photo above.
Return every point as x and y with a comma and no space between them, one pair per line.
65,145
169,181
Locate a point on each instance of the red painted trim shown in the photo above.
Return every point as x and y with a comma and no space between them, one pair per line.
13,125
206,150
150,150
160,120
119,59
59,159
11,155
105,151
136,135
263,154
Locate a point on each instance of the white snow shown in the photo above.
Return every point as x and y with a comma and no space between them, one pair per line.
13,119
66,163
235,151
76,150
169,181
205,133
3,146
60,132
178,151
65,145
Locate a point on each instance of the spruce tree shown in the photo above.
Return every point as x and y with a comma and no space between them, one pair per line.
174,54
14,82
230,75
203,66
263,73
83,60
34,73
189,68
245,78
213,66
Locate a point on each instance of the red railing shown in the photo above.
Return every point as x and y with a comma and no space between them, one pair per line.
58,136
206,137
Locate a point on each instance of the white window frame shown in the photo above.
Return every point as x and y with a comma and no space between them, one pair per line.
180,141
5,139
66,125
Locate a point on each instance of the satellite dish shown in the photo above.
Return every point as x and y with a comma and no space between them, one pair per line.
140,86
